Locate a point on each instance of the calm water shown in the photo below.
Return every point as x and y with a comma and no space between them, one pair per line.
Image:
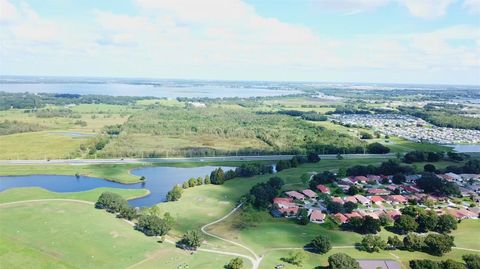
119,89
159,181
465,148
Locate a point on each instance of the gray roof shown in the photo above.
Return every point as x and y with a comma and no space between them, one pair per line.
374,264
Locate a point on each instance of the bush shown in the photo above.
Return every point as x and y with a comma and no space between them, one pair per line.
472,261
175,194
342,261
112,202
372,243
192,239
377,148
152,225
320,244
235,263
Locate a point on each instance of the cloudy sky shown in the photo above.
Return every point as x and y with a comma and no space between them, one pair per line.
403,41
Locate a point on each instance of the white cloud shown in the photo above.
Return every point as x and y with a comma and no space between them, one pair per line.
427,9
473,6
351,6
8,12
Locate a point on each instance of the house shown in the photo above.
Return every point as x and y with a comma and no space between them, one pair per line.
393,214
295,195
373,215
378,192
461,213
358,179
323,189
377,200
396,199
467,177
454,176
289,212
411,189
337,199
279,200
350,199
346,181
340,218
375,178
317,216
391,187
412,178
354,214
310,194
465,192
362,199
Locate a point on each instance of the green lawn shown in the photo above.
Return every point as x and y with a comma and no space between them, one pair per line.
32,193
74,235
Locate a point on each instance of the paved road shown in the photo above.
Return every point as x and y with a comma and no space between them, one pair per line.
192,159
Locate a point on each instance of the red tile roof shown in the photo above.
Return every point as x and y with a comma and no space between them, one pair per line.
378,191
317,215
362,199
397,198
295,194
341,218
279,200
309,193
337,199
376,199
350,199
323,188
289,210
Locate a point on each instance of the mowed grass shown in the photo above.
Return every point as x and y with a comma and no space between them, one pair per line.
33,193
55,234
39,145
115,172
312,260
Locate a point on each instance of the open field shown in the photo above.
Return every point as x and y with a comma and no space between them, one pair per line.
39,145
63,235
33,193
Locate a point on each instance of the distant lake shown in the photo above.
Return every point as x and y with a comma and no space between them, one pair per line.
121,89
465,148
159,180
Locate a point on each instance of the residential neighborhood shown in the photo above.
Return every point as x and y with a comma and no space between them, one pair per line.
378,199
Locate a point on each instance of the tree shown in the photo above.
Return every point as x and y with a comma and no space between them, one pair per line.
192,182
282,165
370,225
438,244
342,172
185,185
235,263
425,264
377,148
365,135
320,244
446,223
313,157
128,212
302,216
112,202
410,210
412,242
217,176
472,261
394,242
405,224
152,225
372,243
429,168
342,261
430,183
199,181
427,221
398,178
451,264
353,190
349,206
175,194
192,239
334,207
385,220
207,179
295,258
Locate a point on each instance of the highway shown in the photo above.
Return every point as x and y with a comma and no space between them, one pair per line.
184,160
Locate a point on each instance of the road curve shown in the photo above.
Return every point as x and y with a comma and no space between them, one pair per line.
189,159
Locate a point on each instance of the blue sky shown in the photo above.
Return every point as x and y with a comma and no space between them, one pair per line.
401,41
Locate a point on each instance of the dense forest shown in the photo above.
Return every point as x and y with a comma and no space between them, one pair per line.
250,133
33,101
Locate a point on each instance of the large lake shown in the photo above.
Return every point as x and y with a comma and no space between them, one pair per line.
120,89
159,180
465,148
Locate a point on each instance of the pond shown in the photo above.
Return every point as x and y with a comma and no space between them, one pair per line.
465,148
159,180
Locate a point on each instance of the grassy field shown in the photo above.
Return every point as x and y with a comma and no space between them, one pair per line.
63,235
22,194
114,172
